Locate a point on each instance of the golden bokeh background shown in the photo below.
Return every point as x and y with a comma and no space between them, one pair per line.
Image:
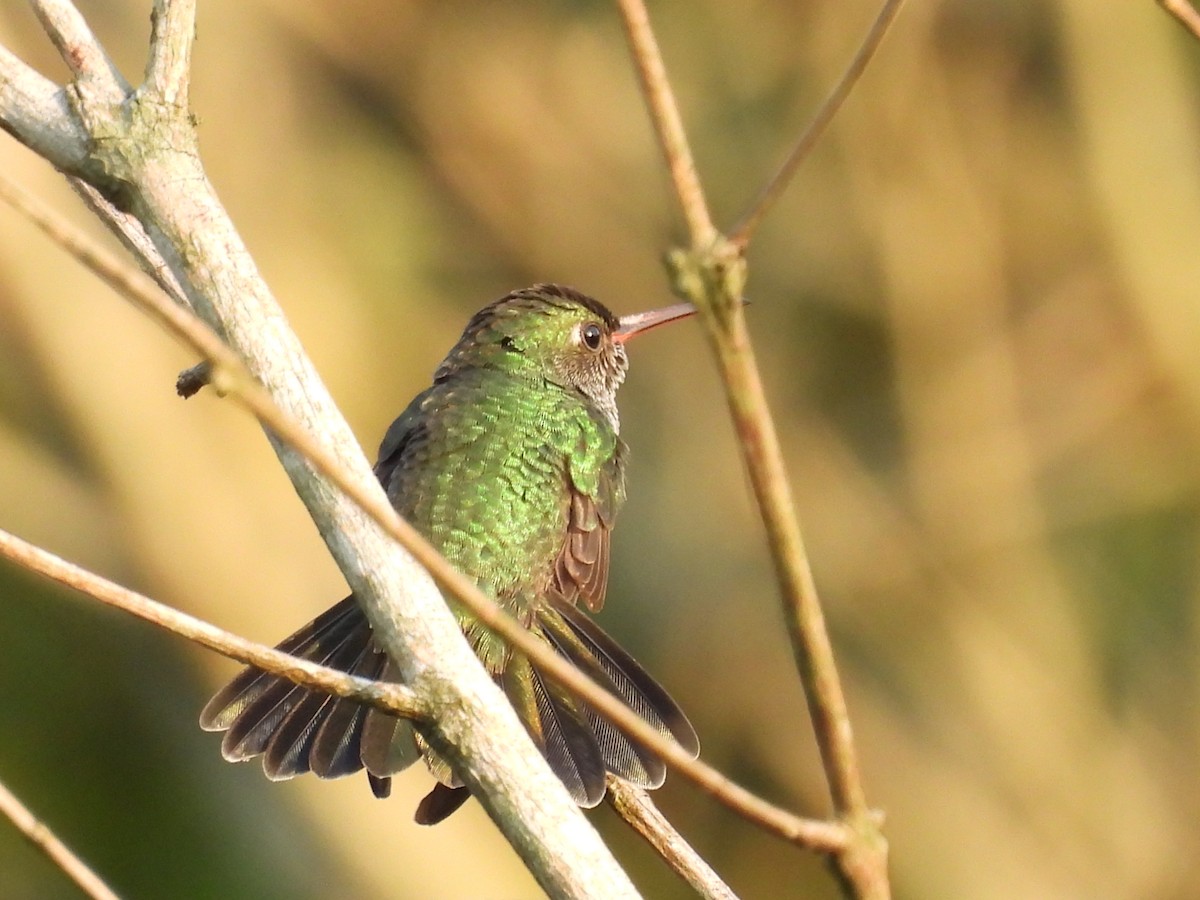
978,319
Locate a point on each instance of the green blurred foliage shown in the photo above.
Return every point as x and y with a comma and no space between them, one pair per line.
975,312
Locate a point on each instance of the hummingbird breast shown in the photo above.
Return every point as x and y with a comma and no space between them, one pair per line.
486,465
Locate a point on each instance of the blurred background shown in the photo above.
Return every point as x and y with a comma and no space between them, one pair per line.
976,314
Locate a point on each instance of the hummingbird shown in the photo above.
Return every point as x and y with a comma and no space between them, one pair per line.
512,465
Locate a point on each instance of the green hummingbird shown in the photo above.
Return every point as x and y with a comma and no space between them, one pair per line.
512,465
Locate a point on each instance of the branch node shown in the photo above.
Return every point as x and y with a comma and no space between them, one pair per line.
193,379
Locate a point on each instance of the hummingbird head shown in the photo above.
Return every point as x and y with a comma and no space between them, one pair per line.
554,333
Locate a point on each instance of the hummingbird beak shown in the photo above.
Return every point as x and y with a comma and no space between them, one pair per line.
639,322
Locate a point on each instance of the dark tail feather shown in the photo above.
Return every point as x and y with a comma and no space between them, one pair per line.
622,755
295,729
317,641
388,743
286,752
588,647
560,728
298,730
440,804
337,745
290,749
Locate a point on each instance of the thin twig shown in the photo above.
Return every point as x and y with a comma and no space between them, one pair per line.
712,275
230,377
1185,14
810,638
633,804
669,126
39,834
744,230
394,698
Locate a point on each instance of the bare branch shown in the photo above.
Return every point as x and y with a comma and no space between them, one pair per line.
667,123
172,33
36,112
393,698
148,164
39,834
712,275
1185,14
744,230
229,376
78,47
635,806
714,283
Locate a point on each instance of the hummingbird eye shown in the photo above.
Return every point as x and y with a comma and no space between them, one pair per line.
591,335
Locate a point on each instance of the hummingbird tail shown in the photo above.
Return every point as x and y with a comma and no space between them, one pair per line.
559,726
440,803
298,730
590,649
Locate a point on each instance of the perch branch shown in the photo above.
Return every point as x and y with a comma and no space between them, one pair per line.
230,377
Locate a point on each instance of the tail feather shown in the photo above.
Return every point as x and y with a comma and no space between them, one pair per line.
388,743
286,753
558,727
566,738
298,730
440,803
289,749
337,745
623,756
635,686
317,640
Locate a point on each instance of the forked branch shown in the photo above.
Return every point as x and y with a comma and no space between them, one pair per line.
711,273
230,377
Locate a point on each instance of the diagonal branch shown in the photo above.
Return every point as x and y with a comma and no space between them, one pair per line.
712,275
39,834
773,190
1185,14
668,124
393,698
229,377
633,804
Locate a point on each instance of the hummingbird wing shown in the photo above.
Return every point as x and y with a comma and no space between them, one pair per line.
596,494
398,435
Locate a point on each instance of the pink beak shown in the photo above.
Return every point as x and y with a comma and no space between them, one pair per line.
637,323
